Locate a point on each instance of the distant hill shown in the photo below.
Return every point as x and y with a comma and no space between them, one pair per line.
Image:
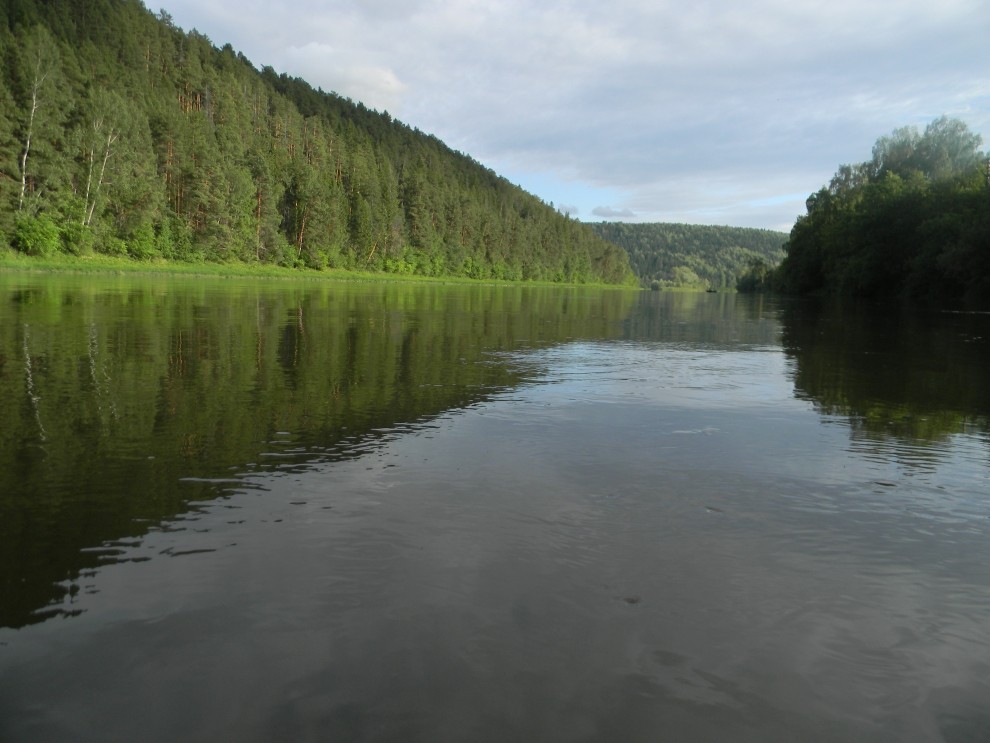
123,134
687,255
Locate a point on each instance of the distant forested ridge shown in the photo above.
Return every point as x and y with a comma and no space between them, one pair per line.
122,134
912,222
693,255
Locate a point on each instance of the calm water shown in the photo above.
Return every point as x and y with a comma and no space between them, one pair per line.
311,512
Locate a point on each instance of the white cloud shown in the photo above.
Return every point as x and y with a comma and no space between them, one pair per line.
607,212
320,65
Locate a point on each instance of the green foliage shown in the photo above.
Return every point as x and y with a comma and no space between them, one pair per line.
142,241
911,222
157,143
36,235
698,256
77,239
758,277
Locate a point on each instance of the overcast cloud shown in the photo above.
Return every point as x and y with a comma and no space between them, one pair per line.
715,112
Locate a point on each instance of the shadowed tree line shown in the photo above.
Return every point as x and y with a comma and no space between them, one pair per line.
122,134
912,222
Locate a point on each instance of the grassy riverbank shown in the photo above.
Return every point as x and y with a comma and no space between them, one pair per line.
102,264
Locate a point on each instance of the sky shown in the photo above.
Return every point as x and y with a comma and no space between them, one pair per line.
703,112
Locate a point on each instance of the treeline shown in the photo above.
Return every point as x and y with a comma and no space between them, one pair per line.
122,134
702,256
912,222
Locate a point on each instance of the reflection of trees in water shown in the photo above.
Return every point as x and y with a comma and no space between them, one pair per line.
140,384
910,376
704,319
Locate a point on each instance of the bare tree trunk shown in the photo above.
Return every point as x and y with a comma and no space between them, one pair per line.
257,230
39,80
302,231
112,137
89,182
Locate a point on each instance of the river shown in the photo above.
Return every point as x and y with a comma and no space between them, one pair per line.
311,511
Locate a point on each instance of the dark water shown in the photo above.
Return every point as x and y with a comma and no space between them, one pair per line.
312,512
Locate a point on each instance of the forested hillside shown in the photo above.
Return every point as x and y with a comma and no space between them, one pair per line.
122,134
700,256
911,222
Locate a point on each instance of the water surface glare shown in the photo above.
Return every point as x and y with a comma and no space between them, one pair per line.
363,513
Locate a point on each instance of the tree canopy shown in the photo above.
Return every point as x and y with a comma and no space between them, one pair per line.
123,134
913,221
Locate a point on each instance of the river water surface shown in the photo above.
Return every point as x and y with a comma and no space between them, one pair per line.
235,510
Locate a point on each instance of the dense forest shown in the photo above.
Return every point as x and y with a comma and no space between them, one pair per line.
123,134
699,256
913,222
